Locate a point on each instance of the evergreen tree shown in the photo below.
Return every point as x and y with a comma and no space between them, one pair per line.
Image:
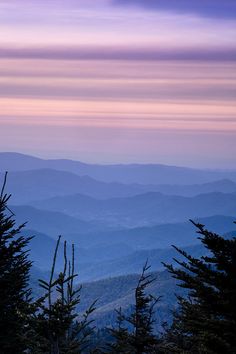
56,327
206,320
14,277
134,333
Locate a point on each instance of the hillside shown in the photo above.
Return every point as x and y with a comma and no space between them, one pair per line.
115,292
133,263
118,292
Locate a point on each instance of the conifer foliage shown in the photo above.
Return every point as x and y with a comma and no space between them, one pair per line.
206,320
14,277
135,333
56,325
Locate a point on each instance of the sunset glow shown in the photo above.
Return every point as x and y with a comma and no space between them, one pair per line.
117,83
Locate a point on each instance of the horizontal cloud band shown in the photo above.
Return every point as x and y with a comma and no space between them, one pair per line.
209,8
121,53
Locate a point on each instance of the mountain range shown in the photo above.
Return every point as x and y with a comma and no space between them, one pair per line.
27,186
108,255
157,236
143,209
130,173
50,222
117,216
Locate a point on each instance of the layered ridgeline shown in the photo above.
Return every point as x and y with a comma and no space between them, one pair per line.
117,215
100,255
131,173
144,209
117,222
46,183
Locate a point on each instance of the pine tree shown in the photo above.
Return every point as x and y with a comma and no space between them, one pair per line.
134,333
206,320
14,277
56,326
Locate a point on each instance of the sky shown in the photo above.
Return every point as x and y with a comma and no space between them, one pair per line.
119,81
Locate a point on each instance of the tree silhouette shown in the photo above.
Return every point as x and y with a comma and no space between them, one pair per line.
206,320
15,294
134,333
57,327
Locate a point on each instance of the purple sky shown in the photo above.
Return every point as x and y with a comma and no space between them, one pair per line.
119,81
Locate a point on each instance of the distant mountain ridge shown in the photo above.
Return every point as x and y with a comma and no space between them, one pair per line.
132,263
31,185
27,186
42,248
50,222
158,236
143,209
130,173
116,253
224,186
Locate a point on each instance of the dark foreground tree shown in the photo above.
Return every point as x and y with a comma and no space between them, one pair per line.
14,277
206,320
57,329
134,333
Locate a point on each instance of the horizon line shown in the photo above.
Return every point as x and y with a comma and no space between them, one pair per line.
41,157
